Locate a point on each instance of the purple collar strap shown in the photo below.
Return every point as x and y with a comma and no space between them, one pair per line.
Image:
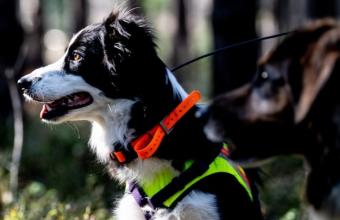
140,198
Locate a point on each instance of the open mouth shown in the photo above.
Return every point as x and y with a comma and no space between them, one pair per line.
63,105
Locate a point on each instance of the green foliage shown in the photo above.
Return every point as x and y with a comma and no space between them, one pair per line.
59,177
37,202
282,192
153,7
292,214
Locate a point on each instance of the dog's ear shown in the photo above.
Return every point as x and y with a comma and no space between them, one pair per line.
305,73
319,64
123,25
114,24
298,42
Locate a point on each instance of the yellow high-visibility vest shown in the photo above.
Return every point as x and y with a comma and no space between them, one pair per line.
221,164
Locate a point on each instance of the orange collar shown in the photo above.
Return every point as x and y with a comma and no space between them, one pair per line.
147,144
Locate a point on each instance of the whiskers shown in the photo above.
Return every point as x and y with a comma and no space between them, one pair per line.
74,128
110,109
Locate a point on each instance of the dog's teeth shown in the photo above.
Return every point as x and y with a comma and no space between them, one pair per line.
48,107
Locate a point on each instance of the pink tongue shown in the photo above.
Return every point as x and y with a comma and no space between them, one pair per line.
44,110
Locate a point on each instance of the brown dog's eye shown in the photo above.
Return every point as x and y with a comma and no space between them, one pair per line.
76,57
264,75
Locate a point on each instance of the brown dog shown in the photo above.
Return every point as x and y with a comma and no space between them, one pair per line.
292,106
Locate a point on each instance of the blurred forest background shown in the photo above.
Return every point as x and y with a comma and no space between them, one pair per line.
47,172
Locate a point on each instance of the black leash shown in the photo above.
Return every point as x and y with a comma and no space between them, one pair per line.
229,47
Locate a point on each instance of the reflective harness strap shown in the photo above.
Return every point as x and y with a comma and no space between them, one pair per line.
147,144
156,195
169,195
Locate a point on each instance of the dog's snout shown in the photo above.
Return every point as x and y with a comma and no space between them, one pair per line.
24,83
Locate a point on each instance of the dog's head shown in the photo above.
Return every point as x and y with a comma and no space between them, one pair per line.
103,62
290,107
267,117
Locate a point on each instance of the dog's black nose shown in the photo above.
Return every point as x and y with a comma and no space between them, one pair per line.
24,83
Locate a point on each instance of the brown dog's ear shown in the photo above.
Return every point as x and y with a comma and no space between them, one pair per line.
318,64
296,44
310,48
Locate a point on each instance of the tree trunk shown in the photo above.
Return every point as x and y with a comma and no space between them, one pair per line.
181,48
11,38
80,8
35,39
233,21
321,8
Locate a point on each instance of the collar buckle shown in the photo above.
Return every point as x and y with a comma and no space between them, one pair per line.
164,127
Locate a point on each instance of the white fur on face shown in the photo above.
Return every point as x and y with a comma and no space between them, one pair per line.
109,117
51,83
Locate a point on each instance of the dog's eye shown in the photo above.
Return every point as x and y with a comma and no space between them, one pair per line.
261,77
76,57
264,75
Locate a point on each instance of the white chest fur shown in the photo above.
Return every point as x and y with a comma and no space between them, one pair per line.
110,125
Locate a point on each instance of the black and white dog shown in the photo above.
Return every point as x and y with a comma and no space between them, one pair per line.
111,76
